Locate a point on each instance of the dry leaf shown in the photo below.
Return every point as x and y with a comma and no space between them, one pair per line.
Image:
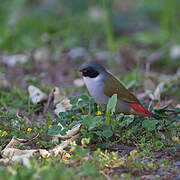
154,95
66,104
5,161
62,103
36,95
59,148
22,117
11,154
11,170
158,91
59,95
59,108
55,139
44,153
71,132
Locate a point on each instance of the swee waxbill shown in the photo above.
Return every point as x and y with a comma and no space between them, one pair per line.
102,85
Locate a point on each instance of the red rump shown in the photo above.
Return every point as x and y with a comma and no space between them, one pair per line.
140,109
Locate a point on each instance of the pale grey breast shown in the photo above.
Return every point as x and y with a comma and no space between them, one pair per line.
95,88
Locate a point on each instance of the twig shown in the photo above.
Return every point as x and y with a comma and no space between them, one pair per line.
46,107
11,143
26,140
59,148
105,175
14,140
122,147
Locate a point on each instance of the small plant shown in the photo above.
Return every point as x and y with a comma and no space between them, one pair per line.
104,130
111,106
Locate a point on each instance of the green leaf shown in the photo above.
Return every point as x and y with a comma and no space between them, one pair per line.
74,123
62,122
126,121
88,169
177,110
63,132
107,132
84,97
81,152
112,104
91,122
103,145
62,115
110,108
162,109
150,124
54,130
74,101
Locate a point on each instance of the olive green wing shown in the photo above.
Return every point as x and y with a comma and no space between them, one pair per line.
113,86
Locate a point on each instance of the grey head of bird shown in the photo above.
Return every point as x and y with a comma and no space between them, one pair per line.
92,69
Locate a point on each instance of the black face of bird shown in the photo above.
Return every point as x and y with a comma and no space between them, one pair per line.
89,72
92,69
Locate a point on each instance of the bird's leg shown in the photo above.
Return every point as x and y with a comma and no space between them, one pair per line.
121,118
113,116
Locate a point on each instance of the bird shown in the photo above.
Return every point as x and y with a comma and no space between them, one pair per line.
101,85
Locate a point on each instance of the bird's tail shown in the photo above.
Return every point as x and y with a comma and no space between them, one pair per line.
138,108
155,116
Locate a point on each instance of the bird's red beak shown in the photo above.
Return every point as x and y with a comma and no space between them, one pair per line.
83,71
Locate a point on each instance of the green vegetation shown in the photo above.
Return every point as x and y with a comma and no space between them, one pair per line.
148,135
135,39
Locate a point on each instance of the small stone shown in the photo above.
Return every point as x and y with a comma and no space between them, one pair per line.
175,52
3,80
178,106
78,52
150,177
78,82
42,54
12,60
96,13
36,95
